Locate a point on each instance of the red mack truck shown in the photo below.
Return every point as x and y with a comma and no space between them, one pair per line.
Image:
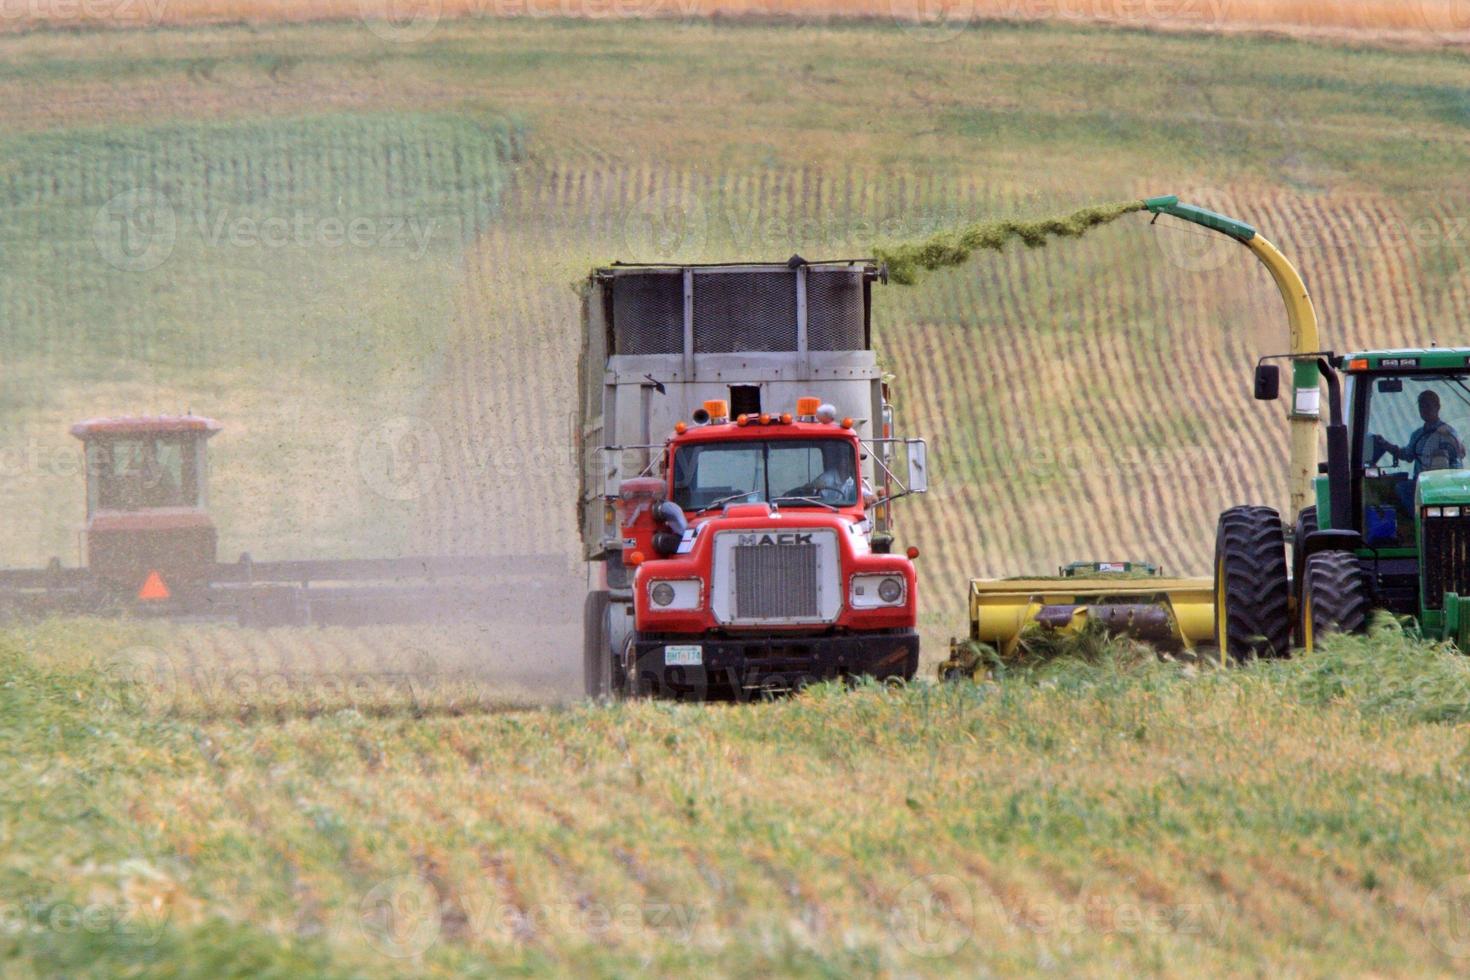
739,466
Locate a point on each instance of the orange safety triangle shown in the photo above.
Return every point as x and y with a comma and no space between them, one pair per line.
154,587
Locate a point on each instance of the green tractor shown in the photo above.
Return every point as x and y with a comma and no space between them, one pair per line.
1384,523
1390,528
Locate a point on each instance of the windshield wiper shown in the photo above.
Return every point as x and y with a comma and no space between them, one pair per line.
724,500
808,500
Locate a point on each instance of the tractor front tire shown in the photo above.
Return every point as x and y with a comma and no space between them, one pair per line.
1252,593
597,664
1334,597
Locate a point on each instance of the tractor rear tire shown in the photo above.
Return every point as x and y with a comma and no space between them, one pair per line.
597,664
1334,597
1252,593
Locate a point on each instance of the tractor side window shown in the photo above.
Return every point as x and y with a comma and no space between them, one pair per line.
1416,424
144,472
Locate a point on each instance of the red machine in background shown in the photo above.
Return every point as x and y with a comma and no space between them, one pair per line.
150,550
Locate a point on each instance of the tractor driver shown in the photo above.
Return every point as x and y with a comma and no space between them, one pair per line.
1435,445
149,482
835,484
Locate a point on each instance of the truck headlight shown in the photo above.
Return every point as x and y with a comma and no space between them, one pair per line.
877,591
675,594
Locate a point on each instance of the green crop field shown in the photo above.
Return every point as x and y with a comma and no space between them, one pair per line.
359,253
1115,818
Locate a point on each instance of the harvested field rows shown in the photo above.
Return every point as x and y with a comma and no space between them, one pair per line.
1423,21
1089,399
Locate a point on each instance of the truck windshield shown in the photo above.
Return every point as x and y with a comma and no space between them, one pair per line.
1415,423
789,472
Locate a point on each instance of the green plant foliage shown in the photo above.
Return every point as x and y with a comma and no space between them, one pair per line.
907,260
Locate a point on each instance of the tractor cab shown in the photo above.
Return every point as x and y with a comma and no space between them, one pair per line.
1407,426
148,533
1392,520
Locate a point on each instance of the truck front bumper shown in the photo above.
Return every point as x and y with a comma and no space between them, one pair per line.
664,664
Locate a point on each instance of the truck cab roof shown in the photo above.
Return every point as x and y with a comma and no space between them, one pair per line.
753,429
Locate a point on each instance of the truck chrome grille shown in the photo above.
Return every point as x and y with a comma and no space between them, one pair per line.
1446,558
776,582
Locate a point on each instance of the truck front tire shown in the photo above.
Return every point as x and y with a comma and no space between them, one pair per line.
597,665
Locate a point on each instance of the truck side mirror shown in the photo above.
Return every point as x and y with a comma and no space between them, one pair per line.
918,466
1268,382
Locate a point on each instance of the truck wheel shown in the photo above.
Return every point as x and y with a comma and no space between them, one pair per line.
1252,595
596,661
1334,596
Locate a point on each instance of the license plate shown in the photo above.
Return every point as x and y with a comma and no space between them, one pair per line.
692,656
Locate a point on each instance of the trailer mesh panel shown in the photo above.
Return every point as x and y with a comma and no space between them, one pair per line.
776,582
835,311
1446,559
736,311
744,311
648,313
